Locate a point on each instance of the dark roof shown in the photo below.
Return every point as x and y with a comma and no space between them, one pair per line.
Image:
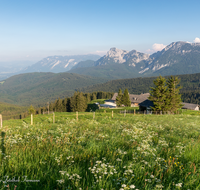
146,103
134,98
138,98
189,106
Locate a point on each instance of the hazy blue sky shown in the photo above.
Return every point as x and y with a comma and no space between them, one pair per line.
33,29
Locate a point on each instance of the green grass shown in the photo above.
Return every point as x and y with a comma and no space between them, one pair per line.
118,109
145,151
101,101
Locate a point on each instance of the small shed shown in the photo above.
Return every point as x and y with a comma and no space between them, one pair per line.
109,104
190,106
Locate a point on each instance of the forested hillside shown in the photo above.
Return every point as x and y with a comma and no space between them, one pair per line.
110,72
39,88
190,86
11,111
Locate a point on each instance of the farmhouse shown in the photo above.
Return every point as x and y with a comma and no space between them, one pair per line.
135,99
143,103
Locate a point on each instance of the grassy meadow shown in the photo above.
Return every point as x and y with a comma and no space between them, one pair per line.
119,153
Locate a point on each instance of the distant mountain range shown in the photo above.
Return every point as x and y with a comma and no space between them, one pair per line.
176,58
58,64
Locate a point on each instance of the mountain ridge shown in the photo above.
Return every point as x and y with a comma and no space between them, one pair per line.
168,61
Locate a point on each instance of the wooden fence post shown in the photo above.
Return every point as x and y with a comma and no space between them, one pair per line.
134,111
112,114
53,117
124,113
76,116
31,119
1,121
93,115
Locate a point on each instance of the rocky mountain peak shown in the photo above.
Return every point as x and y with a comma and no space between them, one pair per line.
176,45
117,55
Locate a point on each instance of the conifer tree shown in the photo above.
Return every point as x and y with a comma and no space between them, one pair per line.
68,105
78,102
88,97
94,96
119,100
159,94
64,105
165,95
31,110
59,105
126,99
173,96
51,106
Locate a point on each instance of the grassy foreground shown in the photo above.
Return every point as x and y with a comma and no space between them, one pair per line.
131,152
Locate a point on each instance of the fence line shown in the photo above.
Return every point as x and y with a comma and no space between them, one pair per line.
125,112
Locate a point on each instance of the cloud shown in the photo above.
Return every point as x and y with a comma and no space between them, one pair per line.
156,47
197,40
101,53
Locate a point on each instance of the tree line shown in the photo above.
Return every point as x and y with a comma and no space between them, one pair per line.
190,86
78,102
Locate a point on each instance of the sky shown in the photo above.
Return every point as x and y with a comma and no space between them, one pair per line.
34,29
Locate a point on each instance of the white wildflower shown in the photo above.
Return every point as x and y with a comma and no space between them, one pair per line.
132,186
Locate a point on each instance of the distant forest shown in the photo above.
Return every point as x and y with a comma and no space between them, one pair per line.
190,86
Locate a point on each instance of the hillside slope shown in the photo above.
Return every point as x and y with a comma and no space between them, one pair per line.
39,88
190,86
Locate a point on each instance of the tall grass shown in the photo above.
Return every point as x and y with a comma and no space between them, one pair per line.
132,152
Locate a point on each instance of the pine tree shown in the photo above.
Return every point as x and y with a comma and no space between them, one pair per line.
64,105
94,96
78,102
159,94
126,99
173,96
119,98
73,102
51,106
31,110
88,97
58,105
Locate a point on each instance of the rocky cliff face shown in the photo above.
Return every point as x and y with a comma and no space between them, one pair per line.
177,53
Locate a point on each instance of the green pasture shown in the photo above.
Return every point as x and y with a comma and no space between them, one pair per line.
99,151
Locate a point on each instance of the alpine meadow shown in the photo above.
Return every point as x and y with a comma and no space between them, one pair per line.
101,152
99,95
